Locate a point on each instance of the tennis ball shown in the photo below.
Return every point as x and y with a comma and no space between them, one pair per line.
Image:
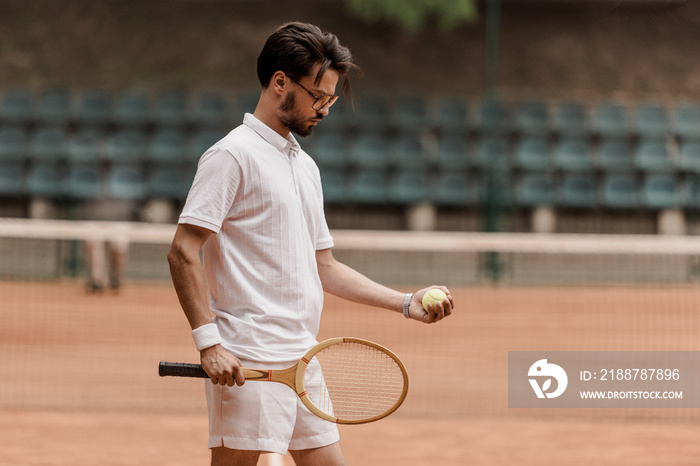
433,297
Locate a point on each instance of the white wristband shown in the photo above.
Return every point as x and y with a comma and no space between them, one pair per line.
407,305
205,336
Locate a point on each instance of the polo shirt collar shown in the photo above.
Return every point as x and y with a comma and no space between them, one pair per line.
288,145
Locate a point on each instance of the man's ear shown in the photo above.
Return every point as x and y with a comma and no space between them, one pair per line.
278,82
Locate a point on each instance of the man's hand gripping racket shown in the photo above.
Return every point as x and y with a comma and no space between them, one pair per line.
361,380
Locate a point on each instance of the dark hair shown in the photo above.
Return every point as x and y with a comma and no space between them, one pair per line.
295,48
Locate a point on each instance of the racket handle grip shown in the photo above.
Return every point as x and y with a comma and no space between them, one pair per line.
181,369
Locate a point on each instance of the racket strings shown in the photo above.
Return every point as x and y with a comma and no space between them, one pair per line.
356,381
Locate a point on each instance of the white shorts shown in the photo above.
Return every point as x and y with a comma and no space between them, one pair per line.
264,416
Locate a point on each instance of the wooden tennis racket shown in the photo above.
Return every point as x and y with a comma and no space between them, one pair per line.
361,381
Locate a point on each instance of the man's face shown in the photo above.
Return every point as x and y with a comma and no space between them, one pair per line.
296,110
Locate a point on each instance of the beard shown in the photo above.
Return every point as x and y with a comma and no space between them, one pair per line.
291,118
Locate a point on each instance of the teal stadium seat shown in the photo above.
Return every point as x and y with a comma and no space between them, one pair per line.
13,143
535,189
653,156
691,193
367,187
246,101
16,106
132,108
532,154
453,189
574,155
43,181
48,144
126,146
330,150
166,147
11,179
410,113
571,119
171,108
202,140
689,156
686,121
660,191
373,112
492,154
85,147
452,153
369,151
333,182
126,183
408,151
408,187
615,155
452,115
611,120
495,117
168,182
84,182
532,118
619,191
94,107
651,121
212,109
54,106
577,191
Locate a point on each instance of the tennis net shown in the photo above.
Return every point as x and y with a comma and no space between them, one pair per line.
62,347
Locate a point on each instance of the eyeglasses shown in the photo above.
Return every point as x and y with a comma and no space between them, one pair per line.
320,101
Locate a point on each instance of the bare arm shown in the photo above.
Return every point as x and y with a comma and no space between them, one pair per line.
188,278
347,283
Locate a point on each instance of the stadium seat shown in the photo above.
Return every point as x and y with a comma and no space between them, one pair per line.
615,155
492,154
125,182
408,151
689,156
532,153
453,189
452,115
43,180
373,112
369,151
84,182
11,179
686,121
94,108
84,147
48,144
330,150
246,101
535,189
652,156
452,153
408,187
54,106
171,108
168,183
571,119
577,191
532,118
333,182
125,146
651,121
494,117
611,120
13,143
16,106
132,108
410,113
202,141
661,191
166,147
367,187
691,193
619,191
212,109
573,155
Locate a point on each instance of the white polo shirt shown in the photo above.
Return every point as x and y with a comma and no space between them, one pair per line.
261,194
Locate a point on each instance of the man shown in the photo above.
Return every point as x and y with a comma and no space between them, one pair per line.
256,209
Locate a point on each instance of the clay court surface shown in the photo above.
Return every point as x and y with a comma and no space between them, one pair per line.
78,381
